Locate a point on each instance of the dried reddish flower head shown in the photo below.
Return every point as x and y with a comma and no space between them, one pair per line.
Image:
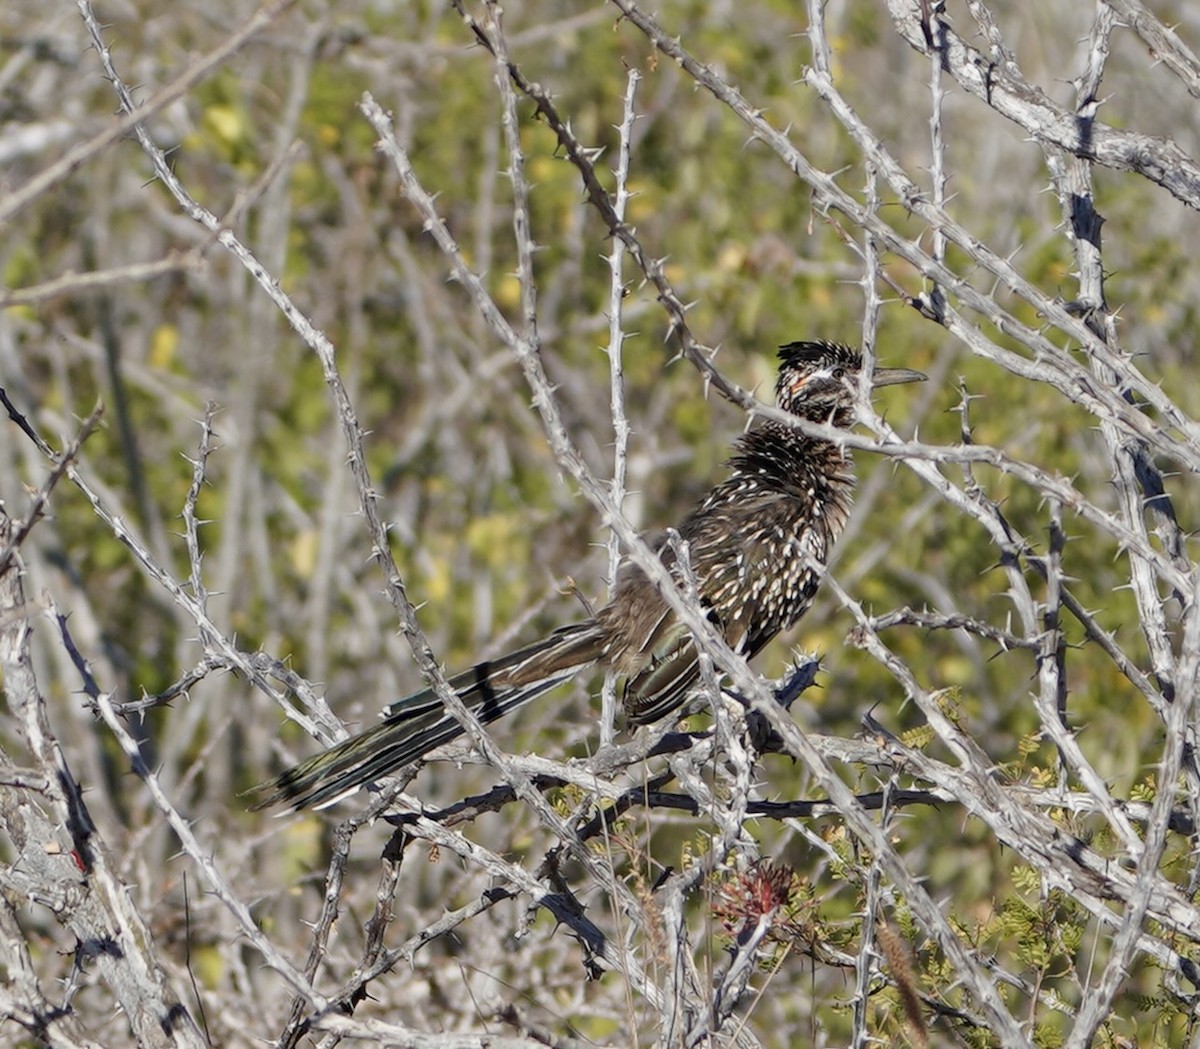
766,889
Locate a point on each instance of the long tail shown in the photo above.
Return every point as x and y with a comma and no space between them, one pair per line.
415,725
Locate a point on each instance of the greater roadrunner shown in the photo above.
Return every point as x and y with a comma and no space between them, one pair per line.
752,543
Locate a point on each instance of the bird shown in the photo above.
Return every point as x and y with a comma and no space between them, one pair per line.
753,545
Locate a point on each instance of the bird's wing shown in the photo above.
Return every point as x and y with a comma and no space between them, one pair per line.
663,685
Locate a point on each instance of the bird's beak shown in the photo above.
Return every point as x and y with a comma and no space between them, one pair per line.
895,376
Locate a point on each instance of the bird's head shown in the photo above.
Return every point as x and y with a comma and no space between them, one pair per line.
819,380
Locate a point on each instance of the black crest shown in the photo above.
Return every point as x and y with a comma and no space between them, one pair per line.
814,353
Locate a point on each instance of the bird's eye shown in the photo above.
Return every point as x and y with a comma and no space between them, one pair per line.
839,373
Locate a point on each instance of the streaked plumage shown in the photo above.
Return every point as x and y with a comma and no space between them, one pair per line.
786,493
